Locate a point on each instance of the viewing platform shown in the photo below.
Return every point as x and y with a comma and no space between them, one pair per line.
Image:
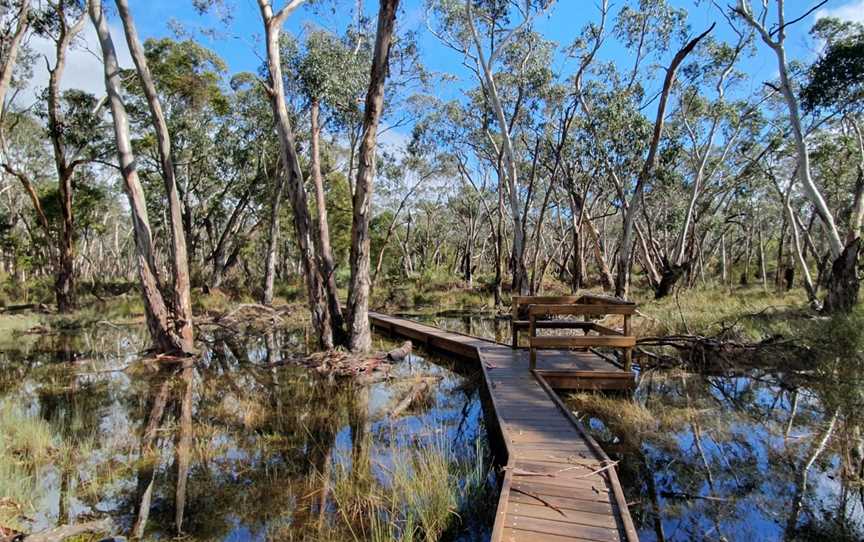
558,483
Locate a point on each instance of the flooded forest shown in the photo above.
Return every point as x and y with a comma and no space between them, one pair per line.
321,270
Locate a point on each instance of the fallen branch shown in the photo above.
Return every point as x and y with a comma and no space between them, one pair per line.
517,471
592,473
417,390
539,498
68,531
398,354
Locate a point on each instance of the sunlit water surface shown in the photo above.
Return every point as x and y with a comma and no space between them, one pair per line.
244,446
721,456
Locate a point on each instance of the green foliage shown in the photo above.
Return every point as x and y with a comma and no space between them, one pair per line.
187,73
836,79
331,71
339,214
89,204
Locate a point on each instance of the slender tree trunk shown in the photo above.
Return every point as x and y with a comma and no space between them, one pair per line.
181,296
625,251
325,252
499,243
781,245
64,286
273,236
360,338
316,294
158,318
745,277
520,273
841,253
762,265
7,65
797,249
606,279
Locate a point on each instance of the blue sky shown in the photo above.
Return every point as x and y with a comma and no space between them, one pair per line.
240,43
241,47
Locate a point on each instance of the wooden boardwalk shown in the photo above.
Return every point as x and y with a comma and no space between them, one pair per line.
552,489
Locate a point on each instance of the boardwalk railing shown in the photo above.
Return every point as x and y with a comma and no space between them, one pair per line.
547,316
558,483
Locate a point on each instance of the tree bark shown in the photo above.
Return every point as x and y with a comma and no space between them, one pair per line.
158,318
64,286
360,338
843,283
8,64
804,173
325,252
520,273
317,297
181,296
273,236
625,251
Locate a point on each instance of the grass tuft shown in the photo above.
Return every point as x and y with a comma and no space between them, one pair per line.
26,445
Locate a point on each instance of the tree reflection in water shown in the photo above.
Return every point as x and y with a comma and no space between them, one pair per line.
238,445
735,454
752,456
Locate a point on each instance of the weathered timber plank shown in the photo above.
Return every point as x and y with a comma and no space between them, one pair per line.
538,510
550,455
561,528
572,502
584,342
518,535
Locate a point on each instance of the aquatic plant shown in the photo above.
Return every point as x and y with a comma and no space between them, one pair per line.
26,445
424,494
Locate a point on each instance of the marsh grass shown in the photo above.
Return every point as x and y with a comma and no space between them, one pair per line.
26,446
433,291
739,313
635,422
424,493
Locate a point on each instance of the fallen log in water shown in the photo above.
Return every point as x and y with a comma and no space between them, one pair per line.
63,532
400,353
705,352
414,394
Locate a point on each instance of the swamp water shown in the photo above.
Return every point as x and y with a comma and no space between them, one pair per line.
734,455
243,445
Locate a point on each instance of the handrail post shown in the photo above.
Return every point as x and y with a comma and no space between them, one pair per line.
628,352
532,353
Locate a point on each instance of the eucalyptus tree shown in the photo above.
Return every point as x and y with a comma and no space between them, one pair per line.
315,289
835,87
843,286
159,313
705,132
647,31
12,32
359,332
62,22
479,31
181,300
332,73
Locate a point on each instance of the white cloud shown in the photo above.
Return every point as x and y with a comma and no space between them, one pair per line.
83,63
850,11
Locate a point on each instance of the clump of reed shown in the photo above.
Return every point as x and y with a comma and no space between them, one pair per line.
425,493
26,446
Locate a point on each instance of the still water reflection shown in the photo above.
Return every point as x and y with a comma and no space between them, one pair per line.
733,455
241,445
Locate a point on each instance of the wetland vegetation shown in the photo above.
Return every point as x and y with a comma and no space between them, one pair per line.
202,201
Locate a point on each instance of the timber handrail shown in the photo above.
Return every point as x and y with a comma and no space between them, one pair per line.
519,315
539,318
